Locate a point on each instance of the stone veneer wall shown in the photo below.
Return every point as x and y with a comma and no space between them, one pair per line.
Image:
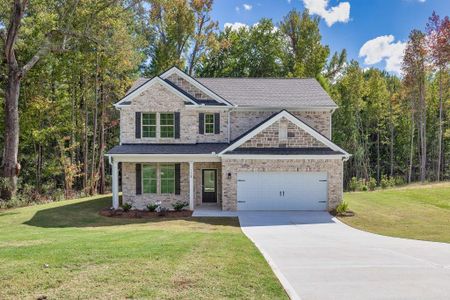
158,99
334,168
241,121
140,201
198,167
269,137
189,88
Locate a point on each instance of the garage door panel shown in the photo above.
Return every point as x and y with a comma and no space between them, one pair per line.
282,191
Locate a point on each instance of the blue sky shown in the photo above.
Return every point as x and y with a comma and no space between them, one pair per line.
376,29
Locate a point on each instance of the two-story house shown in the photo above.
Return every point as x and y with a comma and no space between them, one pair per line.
242,143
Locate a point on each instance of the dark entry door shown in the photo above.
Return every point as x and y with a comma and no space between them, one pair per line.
209,185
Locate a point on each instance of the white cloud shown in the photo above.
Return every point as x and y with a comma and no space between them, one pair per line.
339,13
384,48
247,6
289,1
235,26
237,8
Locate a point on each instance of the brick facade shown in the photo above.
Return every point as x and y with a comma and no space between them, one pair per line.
269,137
158,99
141,201
334,168
241,121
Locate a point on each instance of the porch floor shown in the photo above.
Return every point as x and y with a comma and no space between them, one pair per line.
212,210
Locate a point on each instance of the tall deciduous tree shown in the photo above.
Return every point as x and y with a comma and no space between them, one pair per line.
306,56
414,68
204,30
438,31
173,23
52,37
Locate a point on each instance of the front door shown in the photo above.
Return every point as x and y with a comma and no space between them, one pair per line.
209,185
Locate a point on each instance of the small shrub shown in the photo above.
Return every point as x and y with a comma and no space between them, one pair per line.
179,205
353,185
364,188
152,206
399,180
342,208
372,184
126,207
385,182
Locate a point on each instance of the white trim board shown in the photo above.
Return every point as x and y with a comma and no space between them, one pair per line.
191,80
165,157
148,84
293,119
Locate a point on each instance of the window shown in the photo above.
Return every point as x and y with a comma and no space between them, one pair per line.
149,179
149,125
209,123
167,176
167,125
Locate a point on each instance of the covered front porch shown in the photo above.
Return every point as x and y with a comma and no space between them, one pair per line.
167,179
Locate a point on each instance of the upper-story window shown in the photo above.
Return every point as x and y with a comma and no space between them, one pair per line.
167,125
209,123
149,125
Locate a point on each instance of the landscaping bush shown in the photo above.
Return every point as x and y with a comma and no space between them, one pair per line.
126,207
364,188
179,205
399,180
372,184
342,208
385,182
354,184
152,206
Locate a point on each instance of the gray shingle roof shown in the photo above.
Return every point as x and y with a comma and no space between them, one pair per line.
270,92
264,92
140,81
204,148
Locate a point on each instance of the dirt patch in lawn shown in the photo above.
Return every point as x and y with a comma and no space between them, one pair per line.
139,214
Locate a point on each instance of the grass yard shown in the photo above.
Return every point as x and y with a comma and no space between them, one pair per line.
65,250
415,212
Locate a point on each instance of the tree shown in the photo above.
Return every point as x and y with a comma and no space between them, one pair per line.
438,39
173,23
204,30
305,55
414,76
53,39
255,51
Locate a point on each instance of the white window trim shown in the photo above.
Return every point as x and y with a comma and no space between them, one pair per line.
142,126
142,178
158,178
213,123
158,127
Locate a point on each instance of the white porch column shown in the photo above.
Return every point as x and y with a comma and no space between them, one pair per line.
191,185
115,184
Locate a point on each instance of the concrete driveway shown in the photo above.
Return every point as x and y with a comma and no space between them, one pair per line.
318,257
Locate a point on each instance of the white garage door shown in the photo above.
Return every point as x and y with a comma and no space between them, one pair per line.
282,191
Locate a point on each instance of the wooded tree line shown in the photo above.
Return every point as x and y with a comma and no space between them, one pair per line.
64,63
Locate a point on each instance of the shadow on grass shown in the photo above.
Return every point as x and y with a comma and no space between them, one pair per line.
85,214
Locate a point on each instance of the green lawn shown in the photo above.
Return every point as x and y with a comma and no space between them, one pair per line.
416,212
66,250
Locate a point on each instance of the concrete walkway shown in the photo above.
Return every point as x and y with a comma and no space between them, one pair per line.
317,257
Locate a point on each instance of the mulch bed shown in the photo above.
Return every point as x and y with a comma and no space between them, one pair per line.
348,213
138,214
